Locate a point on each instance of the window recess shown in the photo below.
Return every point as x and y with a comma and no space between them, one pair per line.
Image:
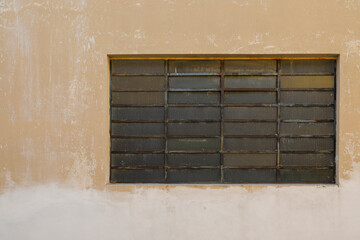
222,121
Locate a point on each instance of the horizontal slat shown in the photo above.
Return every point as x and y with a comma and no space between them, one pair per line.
193,160
194,113
138,66
250,151
221,105
250,128
250,144
206,129
194,90
194,105
307,176
193,151
193,121
306,113
137,160
259,113
307,82
134,114
250,97
137,82
307,66
137,176
137,129
137,144
249,160
308,89
302,97
250,90
307,128
138,98
137,136
306,144
250,82
309,160
194,74
307,121
249,176
194,144
194,82
194,66
194,97
250,66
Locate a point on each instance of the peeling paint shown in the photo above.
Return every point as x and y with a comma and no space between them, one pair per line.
83,168
352,147
353,47
257,40
211,39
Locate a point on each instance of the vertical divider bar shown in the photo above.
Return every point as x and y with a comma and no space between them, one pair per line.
335,124
110,111
166,117
222,118
278,120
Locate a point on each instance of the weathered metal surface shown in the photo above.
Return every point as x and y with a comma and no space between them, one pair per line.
137,129
307,113
133,145
250,82
312,66
137,114
194,97
307,82
306,175
308,129
250,128
250,160
194,66
249,176
256,67
194,144
137,66
138,98
250,144
137,160
136,83
137,175
193,176
304,97
250,113
250,97
193,160
194,113
193,82
188,129
306,144
306,160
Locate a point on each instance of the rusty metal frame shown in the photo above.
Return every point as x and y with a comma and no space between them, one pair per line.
222,90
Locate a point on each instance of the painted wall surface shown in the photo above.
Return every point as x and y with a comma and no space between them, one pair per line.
54,119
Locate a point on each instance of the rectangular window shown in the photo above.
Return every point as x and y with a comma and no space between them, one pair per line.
223,121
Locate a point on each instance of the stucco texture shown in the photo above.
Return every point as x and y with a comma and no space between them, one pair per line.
54,119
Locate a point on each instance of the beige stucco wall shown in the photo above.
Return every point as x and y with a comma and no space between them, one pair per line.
54,107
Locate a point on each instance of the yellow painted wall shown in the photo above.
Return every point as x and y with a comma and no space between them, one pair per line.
54,119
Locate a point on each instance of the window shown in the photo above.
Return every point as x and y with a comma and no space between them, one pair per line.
223,120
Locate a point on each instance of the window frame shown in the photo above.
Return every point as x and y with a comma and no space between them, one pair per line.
246,57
